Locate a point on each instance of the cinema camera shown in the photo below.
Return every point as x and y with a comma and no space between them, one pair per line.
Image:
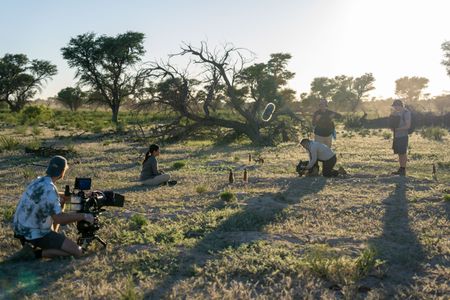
301,169
84,201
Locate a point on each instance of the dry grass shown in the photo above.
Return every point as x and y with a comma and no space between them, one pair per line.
369,236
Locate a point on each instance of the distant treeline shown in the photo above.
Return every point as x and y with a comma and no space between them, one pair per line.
420,119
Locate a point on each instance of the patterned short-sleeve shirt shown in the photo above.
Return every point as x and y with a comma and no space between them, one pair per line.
36,206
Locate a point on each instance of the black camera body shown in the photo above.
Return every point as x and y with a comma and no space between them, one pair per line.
301,169
84,201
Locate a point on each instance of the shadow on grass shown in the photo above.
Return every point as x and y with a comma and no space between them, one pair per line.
242,227
19,279
398,245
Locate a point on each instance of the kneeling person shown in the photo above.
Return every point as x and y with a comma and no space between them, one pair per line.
150,175
320,152
40,211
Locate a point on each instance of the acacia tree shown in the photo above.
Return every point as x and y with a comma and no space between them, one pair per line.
346,92
227,78
21,79
410,87
73,98
108,65
446,61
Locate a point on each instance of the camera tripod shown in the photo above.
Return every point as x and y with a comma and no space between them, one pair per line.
86,239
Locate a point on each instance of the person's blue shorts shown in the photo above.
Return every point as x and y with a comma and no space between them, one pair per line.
400,145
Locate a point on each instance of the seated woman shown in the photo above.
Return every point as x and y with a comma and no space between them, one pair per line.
150,175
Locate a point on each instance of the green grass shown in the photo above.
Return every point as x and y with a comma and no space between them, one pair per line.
276,237
433,133
8,143
178,165
227,196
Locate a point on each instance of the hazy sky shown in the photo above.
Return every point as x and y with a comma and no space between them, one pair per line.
390,38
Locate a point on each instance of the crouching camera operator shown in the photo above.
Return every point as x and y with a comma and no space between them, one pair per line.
39,214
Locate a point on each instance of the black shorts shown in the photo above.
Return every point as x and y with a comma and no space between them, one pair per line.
400,145
51,240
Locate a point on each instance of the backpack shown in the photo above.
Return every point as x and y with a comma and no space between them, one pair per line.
412,126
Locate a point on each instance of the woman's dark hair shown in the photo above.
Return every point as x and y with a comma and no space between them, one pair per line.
151,149
304,141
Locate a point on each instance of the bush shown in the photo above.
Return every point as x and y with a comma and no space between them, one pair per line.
178,165
137,221
34,144
36,130
447,197
387,135
8,143
352,121
8,214
35,114
228,197
201,189
433,133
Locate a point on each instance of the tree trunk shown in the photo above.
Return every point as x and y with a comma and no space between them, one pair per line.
115,114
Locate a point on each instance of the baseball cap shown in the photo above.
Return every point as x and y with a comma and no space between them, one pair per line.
56,166
397,102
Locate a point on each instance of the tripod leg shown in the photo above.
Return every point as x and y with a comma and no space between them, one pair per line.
100,240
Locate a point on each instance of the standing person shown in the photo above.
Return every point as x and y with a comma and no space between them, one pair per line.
40,210
150,175
320,152
400,143
323,124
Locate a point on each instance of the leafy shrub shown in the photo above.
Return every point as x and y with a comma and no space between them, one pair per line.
433,133
364,132
28,173
228,196
178,165
35,143
137,221
8,214
447,197
9,118
35,114
21,129
352,121
8,143
200,189
36,130
387,135
130,292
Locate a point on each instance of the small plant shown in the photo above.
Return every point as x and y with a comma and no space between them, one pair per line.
130,291
21,130
353,121
366,262
433,133
447,197
200,189
178,165
35,114
8,214
228,197
97,128
387,135
364,132
34,144
120,127
36,131
29,174
137,221
8,143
